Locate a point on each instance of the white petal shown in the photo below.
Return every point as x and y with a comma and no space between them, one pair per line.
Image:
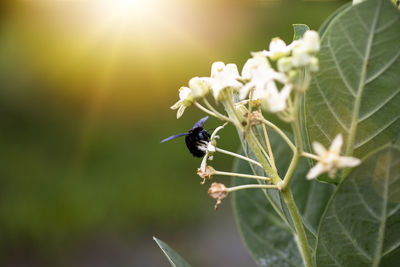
180,111
232,70
277,45
204,163
244,91
315,171
217,67
311,41
285,91
348,162
319,149
210,147
336,144
185,93
176,105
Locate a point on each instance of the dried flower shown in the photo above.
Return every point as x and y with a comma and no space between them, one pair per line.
217,191
206,173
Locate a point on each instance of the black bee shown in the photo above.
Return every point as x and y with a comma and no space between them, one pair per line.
196,139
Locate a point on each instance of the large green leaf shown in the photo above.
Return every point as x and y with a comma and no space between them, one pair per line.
356,91
262,215
328,21
173,257
361,225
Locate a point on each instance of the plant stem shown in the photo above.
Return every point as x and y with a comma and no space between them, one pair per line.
214,110
248,186
209,112
301,238
238,156
299,143
242,175
251,140
281,133
271,154
309,155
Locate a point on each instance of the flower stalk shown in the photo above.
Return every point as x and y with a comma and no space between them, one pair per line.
273,81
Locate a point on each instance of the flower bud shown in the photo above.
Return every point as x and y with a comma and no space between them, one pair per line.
241,112
200,86
285,64
217,191
277,49
314,64
311,41
300,55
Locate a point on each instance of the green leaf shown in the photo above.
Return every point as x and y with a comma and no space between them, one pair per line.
299,30
267,231
328,21
356,91
361,224
173,257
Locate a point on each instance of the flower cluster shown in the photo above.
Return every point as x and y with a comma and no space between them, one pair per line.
272,80
259,82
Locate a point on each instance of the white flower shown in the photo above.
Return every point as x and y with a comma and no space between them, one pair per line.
274,100
185,100
200,86
210,147
285,64
311,41
304,48
330,160
277,49
261,77
223,77
300,55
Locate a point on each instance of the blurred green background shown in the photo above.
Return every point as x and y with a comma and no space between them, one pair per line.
85,91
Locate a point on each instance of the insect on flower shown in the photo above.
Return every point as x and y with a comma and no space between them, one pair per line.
196,139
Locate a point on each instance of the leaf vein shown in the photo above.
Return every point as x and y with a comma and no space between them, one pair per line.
331,108
381,105
266,243
339,70
349,39
383,69
387,25
370,211
361,84
347,234
363,142
391,248
382,225
321,130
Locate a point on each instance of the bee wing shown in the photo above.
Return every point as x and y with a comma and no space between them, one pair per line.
201,122
173,137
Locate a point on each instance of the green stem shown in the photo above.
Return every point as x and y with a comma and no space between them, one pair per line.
280,132
251,140
299,143
248,186
243,175
237,156
214,110
301,238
